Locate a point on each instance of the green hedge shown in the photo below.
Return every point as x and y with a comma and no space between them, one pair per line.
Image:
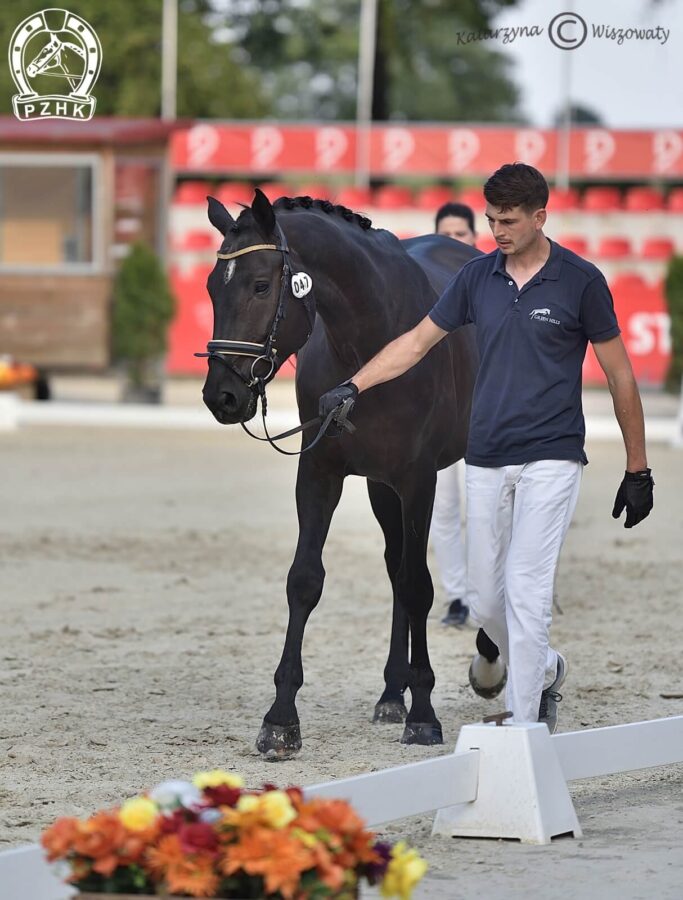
673,289
143,309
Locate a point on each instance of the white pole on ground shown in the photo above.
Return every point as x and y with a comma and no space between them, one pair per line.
366,70
169,59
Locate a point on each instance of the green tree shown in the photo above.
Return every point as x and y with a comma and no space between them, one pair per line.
307,54
213,81
673,289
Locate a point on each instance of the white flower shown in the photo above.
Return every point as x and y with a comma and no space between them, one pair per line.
210,816
169,795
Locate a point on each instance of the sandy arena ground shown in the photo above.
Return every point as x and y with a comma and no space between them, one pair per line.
143,613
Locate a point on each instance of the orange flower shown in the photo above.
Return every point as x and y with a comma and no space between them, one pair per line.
58,839
275,854
191,874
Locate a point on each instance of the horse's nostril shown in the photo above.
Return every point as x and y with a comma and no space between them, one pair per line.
228,401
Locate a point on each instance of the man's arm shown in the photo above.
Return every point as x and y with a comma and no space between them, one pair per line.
400,355
628,409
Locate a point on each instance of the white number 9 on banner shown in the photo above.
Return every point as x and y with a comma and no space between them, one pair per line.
301,284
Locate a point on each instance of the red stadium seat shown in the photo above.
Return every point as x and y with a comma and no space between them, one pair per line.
628,282
657,248
199,240
316,191
644,199
275,189
674,202
355,198
393,196
486,243
192,192
575,243
233,192
614,248
560,200
473,197
601,199
431,198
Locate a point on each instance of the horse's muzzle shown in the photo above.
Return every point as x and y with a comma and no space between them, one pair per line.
229,399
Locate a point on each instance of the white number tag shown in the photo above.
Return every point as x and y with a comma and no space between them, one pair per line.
301,284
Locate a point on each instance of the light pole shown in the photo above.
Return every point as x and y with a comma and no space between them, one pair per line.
169,59
366,66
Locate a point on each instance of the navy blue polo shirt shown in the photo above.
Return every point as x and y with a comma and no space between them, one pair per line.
527,397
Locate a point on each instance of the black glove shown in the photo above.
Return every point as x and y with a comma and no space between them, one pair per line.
635,493
342,398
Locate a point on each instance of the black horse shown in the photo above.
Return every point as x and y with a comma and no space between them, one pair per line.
319,280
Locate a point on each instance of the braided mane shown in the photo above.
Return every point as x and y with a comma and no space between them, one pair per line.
325,206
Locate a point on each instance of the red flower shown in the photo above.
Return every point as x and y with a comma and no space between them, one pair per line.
223,795
170,824
198,836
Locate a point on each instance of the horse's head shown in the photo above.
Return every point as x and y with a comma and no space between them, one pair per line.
263,308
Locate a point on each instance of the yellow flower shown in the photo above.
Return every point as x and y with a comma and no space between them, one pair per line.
138,814
307,839
216,778
248,803
404,871
274,808
277,809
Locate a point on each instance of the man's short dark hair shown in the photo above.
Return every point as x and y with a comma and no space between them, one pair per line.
516,184
461,210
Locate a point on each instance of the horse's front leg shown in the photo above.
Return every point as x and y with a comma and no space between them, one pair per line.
386,505
415,591
317,495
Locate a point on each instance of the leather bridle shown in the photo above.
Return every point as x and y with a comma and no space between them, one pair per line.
266,352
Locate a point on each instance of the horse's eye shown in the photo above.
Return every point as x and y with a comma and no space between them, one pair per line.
262,287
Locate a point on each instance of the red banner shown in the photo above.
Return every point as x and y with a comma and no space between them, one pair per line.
437,151
641,310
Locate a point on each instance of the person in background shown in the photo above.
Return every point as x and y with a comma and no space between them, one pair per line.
453,220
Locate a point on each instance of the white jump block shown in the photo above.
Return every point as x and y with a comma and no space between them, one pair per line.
25,874
9,411
522,792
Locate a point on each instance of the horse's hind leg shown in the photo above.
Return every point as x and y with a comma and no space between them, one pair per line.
416,592
386,506
317,495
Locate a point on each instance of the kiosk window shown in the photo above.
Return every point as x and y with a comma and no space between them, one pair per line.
46,215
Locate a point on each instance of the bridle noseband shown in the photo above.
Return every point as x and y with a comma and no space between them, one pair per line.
267,351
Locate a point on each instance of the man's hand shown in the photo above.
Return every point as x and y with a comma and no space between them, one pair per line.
344,395
634,494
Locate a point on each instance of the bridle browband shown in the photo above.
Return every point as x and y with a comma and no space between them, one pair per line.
267,351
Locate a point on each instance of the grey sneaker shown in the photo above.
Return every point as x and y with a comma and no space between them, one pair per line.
550,697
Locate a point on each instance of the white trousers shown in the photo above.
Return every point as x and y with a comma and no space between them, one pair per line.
445,533
517,519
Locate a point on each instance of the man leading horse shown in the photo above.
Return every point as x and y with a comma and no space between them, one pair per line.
536,305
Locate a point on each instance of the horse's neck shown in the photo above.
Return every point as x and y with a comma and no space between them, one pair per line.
351,295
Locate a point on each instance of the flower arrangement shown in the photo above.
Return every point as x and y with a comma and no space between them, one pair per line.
214,838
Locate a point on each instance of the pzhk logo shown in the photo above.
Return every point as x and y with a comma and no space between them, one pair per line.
52,44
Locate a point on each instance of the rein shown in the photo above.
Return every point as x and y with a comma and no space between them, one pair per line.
267,352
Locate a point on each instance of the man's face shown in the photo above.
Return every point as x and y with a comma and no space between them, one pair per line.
515,229
457,228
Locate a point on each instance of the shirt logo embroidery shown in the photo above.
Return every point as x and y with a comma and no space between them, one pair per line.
542,315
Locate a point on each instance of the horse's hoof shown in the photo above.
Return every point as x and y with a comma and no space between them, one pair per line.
487,678
391,712
424,733
278,742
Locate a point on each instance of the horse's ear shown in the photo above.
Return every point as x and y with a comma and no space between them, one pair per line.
264,217
219,217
